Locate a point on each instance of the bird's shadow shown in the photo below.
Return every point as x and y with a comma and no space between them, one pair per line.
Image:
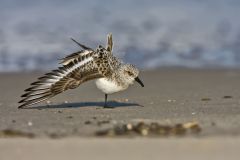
111,104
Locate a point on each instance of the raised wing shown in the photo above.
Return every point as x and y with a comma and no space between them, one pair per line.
67,77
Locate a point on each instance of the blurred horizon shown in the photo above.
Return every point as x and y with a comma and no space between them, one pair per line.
149,34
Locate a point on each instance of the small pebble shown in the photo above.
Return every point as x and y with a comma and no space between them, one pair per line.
213,124
193,126
48,102
30,123
129,126
87,122
144,132
60,111
75,130
13,121
171,100
227,97
114,122
99,123
69,117
206,99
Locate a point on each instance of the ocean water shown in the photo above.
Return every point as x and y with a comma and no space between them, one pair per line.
149,34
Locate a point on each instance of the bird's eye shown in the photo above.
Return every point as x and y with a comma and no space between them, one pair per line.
129,73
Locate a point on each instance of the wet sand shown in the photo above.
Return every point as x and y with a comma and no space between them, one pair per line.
170,96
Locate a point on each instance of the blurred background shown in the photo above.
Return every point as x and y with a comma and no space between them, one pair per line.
151,34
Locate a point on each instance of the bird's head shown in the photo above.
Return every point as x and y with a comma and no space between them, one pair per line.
130,73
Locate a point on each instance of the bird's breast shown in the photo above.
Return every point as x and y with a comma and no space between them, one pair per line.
108,86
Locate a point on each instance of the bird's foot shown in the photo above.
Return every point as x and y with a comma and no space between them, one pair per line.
107,106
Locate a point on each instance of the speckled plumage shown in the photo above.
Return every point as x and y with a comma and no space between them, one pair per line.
79,67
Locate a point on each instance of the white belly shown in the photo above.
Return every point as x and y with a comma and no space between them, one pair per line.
108,87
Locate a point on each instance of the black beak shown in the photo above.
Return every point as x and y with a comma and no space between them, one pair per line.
139,81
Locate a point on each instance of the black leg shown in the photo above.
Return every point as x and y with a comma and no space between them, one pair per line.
105,103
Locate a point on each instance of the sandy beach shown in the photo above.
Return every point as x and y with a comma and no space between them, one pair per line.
170,96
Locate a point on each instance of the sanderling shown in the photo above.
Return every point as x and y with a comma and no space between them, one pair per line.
110,73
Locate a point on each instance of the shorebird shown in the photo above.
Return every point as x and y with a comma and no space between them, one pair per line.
110,73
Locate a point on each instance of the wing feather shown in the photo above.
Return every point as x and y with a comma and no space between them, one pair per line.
109,43
60,80
81,45
79,56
